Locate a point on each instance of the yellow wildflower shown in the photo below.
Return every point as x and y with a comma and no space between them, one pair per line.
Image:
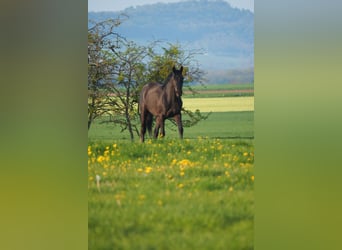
174,161
100,159
185,162
148,170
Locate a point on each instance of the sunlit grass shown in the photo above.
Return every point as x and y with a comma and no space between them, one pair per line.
226,104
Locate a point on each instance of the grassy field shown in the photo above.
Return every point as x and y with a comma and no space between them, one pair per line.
222,123
228,125
220,87
171,194
220,90
219,104
195,193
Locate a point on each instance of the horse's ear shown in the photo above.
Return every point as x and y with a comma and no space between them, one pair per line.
181,69
174,69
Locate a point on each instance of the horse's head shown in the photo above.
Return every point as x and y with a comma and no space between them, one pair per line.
177,80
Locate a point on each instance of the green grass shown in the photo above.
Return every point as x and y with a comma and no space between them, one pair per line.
223,86
171,194
221,90
196,193
218,125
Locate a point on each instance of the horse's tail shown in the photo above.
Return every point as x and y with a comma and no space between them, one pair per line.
140,101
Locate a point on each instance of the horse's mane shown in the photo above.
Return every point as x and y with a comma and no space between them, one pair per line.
168,78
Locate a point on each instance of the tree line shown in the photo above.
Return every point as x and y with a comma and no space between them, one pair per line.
118,68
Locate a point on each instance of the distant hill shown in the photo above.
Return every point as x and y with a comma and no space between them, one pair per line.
225,33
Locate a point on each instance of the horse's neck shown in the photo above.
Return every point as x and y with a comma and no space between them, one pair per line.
169,93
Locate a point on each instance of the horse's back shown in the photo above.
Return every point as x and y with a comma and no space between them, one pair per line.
150,93
152,90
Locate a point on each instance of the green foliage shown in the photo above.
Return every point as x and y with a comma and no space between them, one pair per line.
193,117
171,194
174,55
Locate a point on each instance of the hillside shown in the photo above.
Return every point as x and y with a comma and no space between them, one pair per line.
226,34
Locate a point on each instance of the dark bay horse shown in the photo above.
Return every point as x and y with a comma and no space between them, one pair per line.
162,101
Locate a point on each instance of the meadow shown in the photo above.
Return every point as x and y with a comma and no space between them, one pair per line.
195,193
220,90
229,118
212,104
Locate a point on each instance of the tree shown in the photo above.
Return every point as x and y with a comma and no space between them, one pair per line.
118,68
100,36
162,63
129,74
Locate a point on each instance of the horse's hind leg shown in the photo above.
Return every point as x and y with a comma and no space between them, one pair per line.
158,125
162,128
149,121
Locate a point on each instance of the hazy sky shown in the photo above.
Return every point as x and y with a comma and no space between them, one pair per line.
115,5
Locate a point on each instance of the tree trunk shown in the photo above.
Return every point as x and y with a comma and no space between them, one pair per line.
90,119
127,108
89,123
129,123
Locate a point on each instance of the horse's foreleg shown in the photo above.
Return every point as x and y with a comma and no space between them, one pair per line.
178,120
162,126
